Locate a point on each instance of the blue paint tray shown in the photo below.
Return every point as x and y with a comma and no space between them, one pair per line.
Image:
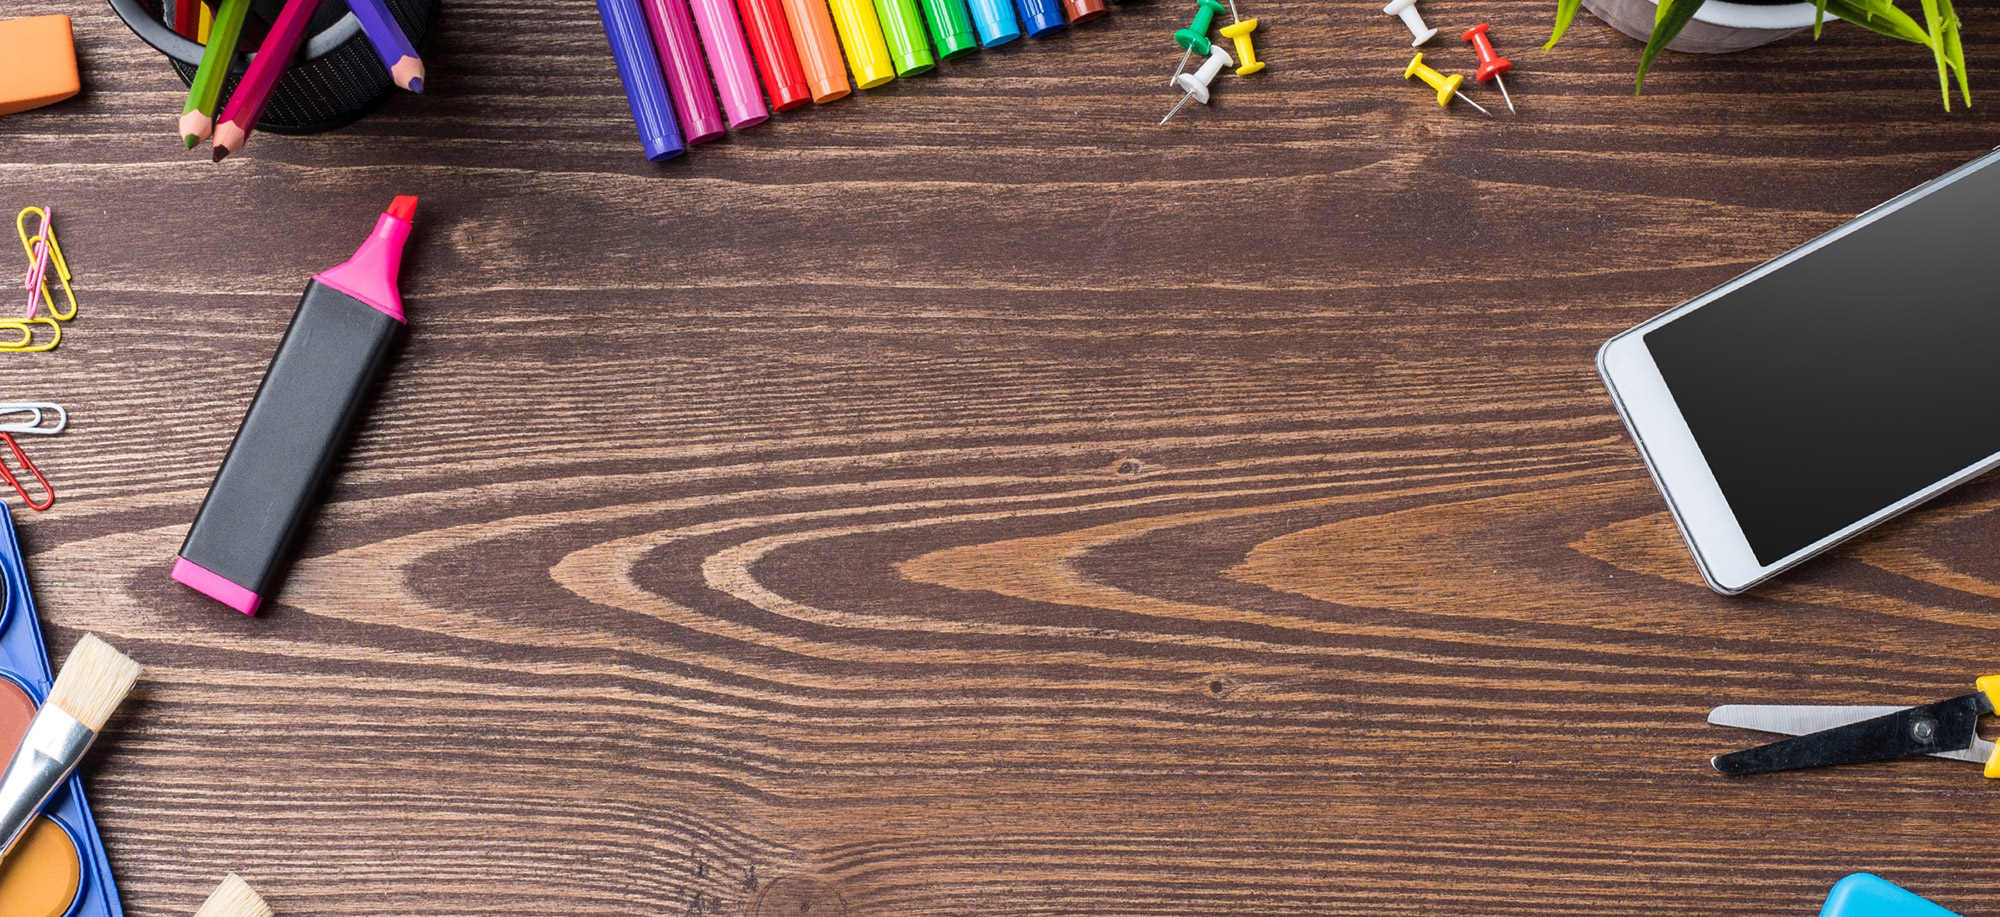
24,661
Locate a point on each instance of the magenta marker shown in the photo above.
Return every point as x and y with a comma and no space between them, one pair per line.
313,395
687,78
729,60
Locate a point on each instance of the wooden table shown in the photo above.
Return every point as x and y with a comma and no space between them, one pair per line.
972,499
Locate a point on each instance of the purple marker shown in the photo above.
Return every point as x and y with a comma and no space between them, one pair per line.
729,60
687,78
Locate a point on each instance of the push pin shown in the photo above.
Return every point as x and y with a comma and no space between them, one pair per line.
1491,64
1196,83
1195,37
1415,20
1240,33
1447,86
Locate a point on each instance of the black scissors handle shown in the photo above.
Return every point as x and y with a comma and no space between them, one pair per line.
1948,725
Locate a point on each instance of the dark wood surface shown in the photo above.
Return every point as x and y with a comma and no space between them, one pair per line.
972,499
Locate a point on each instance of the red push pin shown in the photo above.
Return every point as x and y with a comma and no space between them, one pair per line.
1491,64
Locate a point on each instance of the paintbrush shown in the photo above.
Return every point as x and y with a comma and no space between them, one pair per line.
92,683
234,898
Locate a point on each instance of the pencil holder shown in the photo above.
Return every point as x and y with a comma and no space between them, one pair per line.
336,79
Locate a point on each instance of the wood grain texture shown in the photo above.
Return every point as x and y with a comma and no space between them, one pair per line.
970,499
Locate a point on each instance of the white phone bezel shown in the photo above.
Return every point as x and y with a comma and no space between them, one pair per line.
1693,496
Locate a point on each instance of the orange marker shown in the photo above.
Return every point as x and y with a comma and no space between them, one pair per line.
819,48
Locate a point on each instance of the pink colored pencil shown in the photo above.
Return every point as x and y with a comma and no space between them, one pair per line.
247,103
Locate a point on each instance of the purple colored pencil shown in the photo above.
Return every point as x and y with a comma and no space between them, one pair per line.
392,45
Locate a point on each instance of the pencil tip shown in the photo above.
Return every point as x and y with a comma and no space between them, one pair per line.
188,142
417,85
220,152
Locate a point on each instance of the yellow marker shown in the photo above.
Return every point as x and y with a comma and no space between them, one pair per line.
55,260
1447,86
1240,33
861,37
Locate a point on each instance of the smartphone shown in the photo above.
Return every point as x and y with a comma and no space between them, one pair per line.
1829,389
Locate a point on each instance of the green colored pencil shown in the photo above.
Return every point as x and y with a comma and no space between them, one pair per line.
198,118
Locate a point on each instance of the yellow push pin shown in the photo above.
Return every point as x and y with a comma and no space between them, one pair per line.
1447,86
1240,33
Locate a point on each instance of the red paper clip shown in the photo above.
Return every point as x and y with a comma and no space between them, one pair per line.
28,466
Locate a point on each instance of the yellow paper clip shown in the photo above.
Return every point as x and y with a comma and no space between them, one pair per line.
27,342
55,255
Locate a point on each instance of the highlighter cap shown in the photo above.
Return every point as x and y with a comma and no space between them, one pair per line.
1041,18
37,63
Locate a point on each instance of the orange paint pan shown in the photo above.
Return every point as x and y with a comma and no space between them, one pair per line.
37,63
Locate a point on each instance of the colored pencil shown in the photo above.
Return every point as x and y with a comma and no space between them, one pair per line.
645,87
254,91
771,46
198,117
861,37
186,21
207,23
680,62
819,49
903,31
729,61
951,28
392,45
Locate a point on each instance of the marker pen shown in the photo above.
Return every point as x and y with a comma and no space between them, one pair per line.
777,59
903,29
680,62
1081,11
861,37
729,60
313,394
951,28
818,45
995,21
1041,17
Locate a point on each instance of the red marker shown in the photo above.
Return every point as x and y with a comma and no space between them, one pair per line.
1491,64
777,58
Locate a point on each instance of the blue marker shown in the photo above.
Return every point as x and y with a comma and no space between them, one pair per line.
645,86
1042,17
994,21
1863,895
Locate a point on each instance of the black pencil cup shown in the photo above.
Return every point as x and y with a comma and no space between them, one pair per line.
336,79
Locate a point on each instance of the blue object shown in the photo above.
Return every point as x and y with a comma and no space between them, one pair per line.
1042,17
25,662
1863,895
645,86
387,37
994,21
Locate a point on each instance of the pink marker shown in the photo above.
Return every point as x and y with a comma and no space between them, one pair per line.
729,60
687,78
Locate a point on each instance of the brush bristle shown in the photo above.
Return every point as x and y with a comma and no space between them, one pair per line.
234,898
93,682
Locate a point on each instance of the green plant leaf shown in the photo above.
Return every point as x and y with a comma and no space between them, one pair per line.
1565,14
1672,17
1819,17
1880,17
1934,23
1955,51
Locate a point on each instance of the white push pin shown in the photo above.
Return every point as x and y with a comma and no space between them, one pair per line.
1196,83
1415,20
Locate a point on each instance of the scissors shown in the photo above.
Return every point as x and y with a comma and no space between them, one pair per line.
1843,735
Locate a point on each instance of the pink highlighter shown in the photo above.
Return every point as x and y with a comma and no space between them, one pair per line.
729,60
680,59
313,395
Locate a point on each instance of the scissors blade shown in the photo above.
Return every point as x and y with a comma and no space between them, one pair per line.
1795,720
1948,725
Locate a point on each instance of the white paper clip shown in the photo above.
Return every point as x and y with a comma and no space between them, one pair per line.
41,411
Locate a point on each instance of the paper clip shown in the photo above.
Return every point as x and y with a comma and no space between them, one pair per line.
27,342
41,249
38,424
28,466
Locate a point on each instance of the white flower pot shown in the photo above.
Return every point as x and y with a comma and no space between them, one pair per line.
1719,26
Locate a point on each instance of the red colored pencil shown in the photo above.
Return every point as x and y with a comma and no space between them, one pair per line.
187,13
246,104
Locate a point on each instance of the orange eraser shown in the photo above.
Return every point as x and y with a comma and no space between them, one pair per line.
37,63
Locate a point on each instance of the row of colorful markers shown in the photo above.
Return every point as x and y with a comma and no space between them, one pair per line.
796,47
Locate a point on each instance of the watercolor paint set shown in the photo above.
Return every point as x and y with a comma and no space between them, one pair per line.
58,869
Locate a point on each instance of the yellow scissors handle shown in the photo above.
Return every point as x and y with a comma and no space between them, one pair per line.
1989,685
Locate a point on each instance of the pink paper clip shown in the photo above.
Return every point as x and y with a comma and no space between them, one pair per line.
38,266
44,252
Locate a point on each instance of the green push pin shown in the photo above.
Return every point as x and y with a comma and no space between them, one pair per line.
1195,37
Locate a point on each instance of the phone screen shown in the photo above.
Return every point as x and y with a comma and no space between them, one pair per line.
1852,377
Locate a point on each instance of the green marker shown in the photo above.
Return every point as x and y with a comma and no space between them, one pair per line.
951,28
903,29
198,118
